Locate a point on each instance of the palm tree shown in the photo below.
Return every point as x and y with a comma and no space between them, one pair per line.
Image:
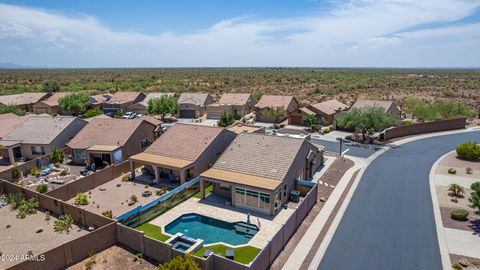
275,113
456,190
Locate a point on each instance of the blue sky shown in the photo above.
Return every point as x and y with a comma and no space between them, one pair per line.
349,33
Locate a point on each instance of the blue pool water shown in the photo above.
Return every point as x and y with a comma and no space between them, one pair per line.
212,230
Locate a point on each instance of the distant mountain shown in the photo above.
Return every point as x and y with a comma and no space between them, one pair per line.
15,66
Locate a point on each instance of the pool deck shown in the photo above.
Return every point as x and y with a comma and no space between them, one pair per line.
211,207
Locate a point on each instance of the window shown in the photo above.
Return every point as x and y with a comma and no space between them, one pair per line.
240,195
144,143
38,150
264,201
285,191
252,198
224,187
80,154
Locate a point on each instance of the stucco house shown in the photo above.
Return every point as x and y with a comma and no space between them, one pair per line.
111,141
182,153
121,100
24,101
267,102
49,105
38,135
257,172
231,103
387,105
142,106
324,112
96,101
193,105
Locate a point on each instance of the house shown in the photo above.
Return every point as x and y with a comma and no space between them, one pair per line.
387,105
111,141
183,152
239,127
257,172
231,103
193,105
49,105
9,122
142,106
324,112
38,135
121,100
24,101
266,102
96,101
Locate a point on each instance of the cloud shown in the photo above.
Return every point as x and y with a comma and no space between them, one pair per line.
352,33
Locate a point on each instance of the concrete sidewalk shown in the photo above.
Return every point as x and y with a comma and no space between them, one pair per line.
462,242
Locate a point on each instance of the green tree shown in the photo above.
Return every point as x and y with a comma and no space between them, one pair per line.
50,87
257,95
475,200
441,109
274,113
456,190
56,157
92,113
163,105
42,188
310,121
11,109
367,120
226,120
475,186
469,151
180,263
64,223
76,103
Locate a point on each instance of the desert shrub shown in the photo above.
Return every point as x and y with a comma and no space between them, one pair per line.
406,122
180,262
126,177
134,198
456,190
92,113
459,214
81,199
469,151
107,213
327,130
452,171
23,205
468,170
35,171
56,157
64,223
42,188
475,199
457,266
475,186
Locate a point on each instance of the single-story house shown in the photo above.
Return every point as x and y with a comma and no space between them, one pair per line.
183,152
96,101
193,105
24,101
324,111
267,102
111,141
121,100
231,103
239,127
387,105
257,172
142,106
49,105
38,135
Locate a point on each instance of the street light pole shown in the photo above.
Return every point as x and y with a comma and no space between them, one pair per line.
341,143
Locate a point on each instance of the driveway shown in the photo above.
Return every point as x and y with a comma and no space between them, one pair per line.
389,223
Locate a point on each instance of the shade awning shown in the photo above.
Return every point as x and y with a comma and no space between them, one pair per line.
161,161
242,179
103,148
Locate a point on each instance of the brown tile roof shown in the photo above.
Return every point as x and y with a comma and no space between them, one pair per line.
123,97
260,155
10,121
330,107
234,99
155,95
184,141
195,98
105,132
307,111
53,100
22,99
274,101
364,103
152,120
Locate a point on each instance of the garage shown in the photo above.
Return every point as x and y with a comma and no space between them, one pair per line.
187,114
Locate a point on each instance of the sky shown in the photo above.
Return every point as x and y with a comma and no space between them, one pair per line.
241,33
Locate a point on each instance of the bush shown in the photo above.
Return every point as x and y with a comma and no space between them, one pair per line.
459,214
134,198
81,199
107,213
475,186
126,177
456,190
42,188
327,130
92,113
35,171
469,151
452,171
468,170
63,173
64,223
457,266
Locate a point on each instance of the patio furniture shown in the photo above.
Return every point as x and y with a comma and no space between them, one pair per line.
207,252
230,254
47,170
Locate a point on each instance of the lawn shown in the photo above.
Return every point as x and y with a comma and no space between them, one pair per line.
208,190
243,255
153,231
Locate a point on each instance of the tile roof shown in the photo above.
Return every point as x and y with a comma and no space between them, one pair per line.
22,99
105,132
10,121
184,141
40,129
330,107
195,98
155,95
96,99
274,101
364,103
307,111
53,100
234,99
260,155
123,97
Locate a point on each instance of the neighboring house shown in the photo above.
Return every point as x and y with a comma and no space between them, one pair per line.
257,172
49,105
193,105
266,102
142,106
239,127
24,101
39,135
111,141
121,100
387,105
96,101
231,103
324,111
183,152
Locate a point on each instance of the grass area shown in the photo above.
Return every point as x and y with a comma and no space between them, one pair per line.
208,190
243,255
153,231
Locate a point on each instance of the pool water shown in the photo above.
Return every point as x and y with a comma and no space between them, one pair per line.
212,230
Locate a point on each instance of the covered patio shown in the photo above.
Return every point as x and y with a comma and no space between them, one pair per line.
104,155
12,152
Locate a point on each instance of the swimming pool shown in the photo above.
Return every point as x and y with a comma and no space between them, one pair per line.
212,230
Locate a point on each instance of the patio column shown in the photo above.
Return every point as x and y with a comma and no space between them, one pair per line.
11,156
182,176
157,174
132,169
202,188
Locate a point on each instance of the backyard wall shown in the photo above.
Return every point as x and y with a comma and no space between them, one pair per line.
426,127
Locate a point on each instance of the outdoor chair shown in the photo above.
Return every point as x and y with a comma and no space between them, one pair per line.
230,254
